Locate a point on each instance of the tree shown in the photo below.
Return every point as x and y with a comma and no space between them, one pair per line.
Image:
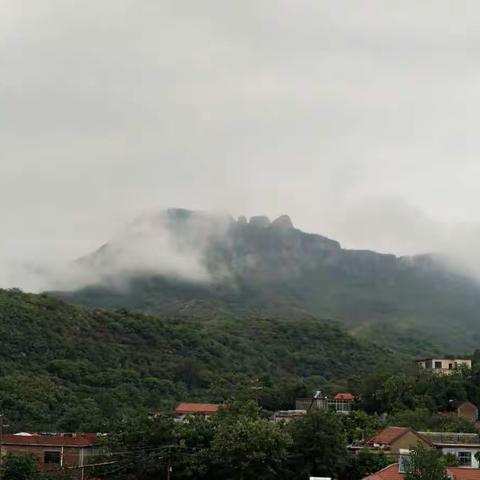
319,445
365,463
20,467
425,464
249,448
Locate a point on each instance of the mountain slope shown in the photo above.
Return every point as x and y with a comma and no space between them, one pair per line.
64,367
241,268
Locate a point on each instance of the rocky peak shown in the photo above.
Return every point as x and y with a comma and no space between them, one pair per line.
283,222
259,221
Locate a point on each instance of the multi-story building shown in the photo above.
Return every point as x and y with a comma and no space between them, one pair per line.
443,365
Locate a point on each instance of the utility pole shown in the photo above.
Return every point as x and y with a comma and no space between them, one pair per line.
1,444
168,466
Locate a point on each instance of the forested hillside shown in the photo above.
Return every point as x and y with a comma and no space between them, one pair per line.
65,367
189,263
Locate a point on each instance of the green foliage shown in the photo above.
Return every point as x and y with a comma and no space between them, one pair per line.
249,448
358,426
21,467
422,419
366,462
410,304
319,445
66,368
238,444
413,399
425,464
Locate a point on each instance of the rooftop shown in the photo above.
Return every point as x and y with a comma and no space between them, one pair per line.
80,440
197,408
389,435
451,438
458,473
348,397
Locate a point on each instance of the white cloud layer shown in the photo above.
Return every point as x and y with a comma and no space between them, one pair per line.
359,119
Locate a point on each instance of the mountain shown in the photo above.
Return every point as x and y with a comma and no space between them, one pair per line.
191,263
68,368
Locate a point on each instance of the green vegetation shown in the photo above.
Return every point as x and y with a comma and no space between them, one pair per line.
63,367
25,467
411,304
426,464
239,444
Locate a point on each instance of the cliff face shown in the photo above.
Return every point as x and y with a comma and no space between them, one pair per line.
221,266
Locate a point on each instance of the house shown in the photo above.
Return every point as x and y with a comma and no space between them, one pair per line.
463,409
443,365
395,439
185,409
341,402
395,472
287,415
53,450
463,445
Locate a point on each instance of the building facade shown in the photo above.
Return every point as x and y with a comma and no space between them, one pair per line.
444,366
73,451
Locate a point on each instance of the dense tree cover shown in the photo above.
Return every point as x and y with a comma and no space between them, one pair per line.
420,399
239,444
426,464
25,467
366,462
67,368
412,303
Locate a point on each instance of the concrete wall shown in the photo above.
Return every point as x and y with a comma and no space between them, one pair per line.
407,442
455,451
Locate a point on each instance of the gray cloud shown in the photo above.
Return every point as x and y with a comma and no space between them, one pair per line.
358,119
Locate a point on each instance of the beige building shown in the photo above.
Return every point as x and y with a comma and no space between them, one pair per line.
443,365
393,440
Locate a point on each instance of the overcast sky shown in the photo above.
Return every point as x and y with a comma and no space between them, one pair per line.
360,119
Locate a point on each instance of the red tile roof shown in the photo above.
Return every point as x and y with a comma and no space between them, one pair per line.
389,435
344,396
391,473
388,473
197,408
460,473
49,440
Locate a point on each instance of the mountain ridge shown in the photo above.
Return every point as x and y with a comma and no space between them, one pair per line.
272,268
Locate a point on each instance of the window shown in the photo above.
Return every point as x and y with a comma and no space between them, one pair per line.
450,366
438,364
51,457
403,462
465,459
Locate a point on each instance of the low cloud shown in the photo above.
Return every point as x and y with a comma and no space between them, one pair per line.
172,244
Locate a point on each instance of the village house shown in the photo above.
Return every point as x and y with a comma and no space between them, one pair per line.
185,409
54,450
444,366
463,445
287,415
396,472
393,440
341,402
398,441
463,409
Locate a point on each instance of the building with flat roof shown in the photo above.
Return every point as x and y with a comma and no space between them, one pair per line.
444,366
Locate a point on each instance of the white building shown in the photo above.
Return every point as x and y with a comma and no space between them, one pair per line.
443,365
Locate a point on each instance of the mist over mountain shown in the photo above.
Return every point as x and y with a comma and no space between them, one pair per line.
181,262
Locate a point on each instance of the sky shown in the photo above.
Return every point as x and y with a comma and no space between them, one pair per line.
359,119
